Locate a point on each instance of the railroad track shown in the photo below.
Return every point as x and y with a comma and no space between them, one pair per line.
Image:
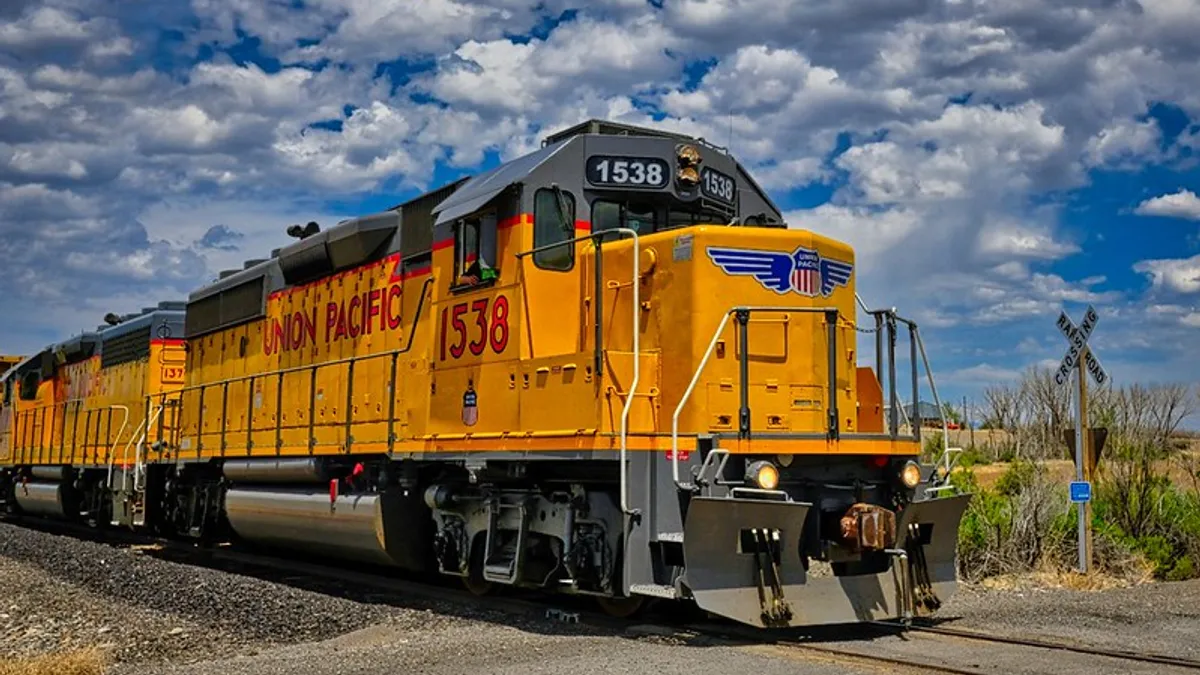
1141,657
1031,656
364,582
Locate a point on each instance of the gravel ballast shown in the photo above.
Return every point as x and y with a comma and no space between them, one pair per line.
157,616
62,592
1161,618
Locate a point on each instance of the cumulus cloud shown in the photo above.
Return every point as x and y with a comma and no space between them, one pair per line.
1179,275
136,165
1182,204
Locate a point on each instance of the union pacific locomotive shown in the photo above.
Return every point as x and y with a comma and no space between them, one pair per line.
605,368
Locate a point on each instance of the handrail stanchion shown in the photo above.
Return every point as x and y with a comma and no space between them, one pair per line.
687,393
894,422
391,389
347,441
742,318
916,382
279,414
831,410
112,453
637,365
249,415
224,416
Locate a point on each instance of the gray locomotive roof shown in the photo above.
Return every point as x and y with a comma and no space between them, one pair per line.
83,344
166,321
599,127
21,366
482,188
410,226
231,278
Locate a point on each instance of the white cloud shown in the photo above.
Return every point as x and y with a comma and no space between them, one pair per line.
541,76
952,135
983,373
1181,204
1178,275
1127,144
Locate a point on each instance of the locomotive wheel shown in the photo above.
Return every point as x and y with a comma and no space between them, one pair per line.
622,608
474,581
476,585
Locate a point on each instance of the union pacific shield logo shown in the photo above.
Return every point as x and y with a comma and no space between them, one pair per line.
802,271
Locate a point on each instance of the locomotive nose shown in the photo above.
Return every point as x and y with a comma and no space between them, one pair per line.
743,561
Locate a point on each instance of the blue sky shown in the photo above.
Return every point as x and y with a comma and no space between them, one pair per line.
992,163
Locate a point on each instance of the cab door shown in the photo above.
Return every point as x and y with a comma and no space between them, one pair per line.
556,367
477,332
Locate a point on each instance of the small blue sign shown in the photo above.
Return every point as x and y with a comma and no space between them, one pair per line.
1081,491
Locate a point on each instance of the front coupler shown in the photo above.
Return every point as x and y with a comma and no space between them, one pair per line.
743,562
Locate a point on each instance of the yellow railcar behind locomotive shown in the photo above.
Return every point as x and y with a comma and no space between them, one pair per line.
75,414
606,367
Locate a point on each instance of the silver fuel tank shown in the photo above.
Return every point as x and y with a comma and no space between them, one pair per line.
353,526
42,499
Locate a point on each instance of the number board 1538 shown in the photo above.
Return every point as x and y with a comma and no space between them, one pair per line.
717,185
635,172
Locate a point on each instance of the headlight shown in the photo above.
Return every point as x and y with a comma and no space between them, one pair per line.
910,475
688,175
687,155
763,474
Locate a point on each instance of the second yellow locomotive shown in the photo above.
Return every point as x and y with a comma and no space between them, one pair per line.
606,367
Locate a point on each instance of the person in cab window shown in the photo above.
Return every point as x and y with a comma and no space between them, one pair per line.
476,243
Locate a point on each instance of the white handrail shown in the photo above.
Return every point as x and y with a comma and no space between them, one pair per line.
637,362
687,394
113,450
125,454
138,465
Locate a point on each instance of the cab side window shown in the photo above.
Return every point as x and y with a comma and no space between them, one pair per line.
475,251
29,385
466,245
554,223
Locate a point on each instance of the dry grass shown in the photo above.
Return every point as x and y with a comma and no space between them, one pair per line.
1066,580
90,661
1063,470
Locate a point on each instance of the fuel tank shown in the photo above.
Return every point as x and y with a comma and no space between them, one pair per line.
44,499
282,470
52,473
377,528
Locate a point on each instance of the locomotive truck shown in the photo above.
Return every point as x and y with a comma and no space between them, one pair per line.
607,368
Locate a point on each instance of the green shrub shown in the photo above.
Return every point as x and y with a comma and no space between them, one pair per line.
1020,474
931,447
1183,570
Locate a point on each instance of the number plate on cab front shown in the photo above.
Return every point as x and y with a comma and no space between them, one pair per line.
628,172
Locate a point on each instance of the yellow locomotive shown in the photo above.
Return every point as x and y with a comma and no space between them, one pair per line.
606,367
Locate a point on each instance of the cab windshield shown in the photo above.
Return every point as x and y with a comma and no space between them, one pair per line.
647,217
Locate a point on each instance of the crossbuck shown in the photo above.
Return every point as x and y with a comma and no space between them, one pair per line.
1078,339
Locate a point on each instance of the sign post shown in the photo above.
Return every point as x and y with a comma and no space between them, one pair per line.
1079,358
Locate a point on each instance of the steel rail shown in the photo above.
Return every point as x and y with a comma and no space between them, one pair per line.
1145,657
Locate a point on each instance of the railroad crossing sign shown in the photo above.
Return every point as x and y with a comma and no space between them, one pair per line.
1079,357
1079,348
